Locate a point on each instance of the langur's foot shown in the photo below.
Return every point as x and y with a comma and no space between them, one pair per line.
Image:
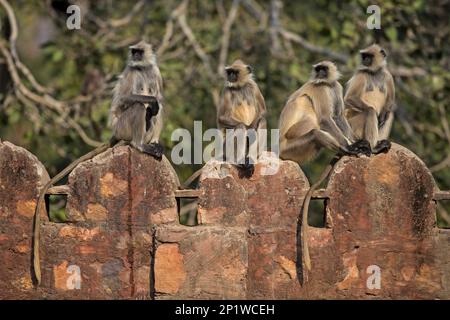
247,169
154,149
349,151
361,147
382,146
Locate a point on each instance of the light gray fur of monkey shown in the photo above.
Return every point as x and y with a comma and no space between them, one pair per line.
370,99
135,117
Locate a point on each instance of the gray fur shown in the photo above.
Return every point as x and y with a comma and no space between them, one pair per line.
128,119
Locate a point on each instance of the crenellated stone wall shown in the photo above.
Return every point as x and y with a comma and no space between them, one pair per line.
123,239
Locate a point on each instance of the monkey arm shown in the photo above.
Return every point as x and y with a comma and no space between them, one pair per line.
342,123
390,101
344,126
261,119
133,98
160,81
329,126
229,123
356,103
260,101
356,88
261,107
384,114
224,119
338,115
138,98
262,123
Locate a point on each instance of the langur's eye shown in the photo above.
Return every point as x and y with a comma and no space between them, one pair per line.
231,72
321,68
137,52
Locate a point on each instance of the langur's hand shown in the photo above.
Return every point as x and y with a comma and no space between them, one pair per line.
360,147
382,118
154,107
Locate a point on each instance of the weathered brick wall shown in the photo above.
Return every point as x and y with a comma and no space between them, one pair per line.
245,246
123,239
381,213
21,177
113,203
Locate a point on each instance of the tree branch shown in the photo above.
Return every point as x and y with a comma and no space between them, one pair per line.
226,35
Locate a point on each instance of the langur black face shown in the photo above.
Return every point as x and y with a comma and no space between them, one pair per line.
321,71
232,74
366,59
137,54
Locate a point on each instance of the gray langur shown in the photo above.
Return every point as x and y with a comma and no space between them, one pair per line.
312,119
135,118
242,106
370,98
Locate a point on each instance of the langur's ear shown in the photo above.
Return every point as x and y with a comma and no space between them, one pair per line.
383,53
249,69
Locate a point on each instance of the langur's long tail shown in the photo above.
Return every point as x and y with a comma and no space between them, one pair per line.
305,208
192,178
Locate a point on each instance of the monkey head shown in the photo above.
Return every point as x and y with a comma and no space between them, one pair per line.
141,55
373,58
238,74
325,72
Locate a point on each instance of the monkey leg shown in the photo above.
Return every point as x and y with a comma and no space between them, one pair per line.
224,150
131,127
385,130
383,145
153,131
139,132
371,127
244,162
236,149
247,168
372,134
301,148
261,139
357,121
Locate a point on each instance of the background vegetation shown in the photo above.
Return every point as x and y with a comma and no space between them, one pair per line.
55,83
